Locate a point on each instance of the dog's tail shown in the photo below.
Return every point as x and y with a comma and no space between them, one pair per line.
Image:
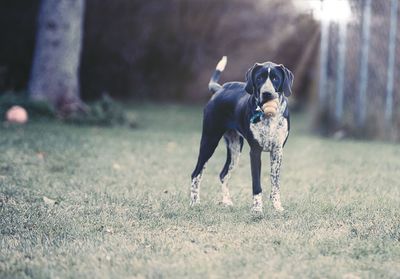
213,85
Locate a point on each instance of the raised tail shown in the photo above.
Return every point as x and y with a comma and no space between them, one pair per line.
213,85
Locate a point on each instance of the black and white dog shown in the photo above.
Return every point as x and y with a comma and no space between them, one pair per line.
234,112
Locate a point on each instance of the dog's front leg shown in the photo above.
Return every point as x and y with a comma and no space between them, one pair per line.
255,159
276,161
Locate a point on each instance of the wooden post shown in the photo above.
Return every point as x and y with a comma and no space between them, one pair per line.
391,62
323,64
340,71
362,104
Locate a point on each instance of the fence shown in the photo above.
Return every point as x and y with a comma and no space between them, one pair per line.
359,90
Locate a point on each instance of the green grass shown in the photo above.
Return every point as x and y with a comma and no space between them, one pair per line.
122,205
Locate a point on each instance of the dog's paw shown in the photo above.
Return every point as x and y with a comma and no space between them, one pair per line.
257,204
194,200
278,207
226,201
194,203
256,210
276,202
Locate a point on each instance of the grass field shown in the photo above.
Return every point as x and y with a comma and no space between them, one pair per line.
121,205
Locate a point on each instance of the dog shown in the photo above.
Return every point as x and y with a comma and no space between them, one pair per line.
234,112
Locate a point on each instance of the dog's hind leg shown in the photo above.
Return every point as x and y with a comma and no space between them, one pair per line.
234,144
207,148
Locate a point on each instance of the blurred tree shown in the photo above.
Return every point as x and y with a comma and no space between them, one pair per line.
159,50
165,50
16,54
54,75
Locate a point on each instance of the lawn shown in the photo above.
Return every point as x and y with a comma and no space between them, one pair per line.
118,205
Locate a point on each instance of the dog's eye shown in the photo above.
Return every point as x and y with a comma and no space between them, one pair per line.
259,78
275,79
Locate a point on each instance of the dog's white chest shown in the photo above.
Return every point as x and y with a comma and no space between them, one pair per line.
270,132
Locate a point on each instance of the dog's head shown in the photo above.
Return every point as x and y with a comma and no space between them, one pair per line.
268,81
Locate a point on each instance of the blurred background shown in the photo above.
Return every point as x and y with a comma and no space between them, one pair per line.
344,54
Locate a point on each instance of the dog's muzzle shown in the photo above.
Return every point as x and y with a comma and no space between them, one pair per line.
266,97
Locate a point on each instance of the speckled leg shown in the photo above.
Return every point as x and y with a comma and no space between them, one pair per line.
276,161
234,144
207,148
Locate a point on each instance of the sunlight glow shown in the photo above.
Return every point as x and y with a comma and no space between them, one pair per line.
331,10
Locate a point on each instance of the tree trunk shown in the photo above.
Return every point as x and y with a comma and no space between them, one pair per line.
54,76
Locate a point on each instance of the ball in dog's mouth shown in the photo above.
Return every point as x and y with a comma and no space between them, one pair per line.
270,108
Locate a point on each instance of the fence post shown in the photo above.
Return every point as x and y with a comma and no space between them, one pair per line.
323,63
362,110
340,71
391,62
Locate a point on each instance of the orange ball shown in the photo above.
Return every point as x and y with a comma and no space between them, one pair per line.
17,114
270,108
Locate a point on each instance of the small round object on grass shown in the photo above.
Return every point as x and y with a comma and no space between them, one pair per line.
17,115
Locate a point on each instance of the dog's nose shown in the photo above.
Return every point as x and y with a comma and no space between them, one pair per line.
267,95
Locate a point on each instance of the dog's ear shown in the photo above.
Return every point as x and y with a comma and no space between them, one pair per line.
287,80
250,87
